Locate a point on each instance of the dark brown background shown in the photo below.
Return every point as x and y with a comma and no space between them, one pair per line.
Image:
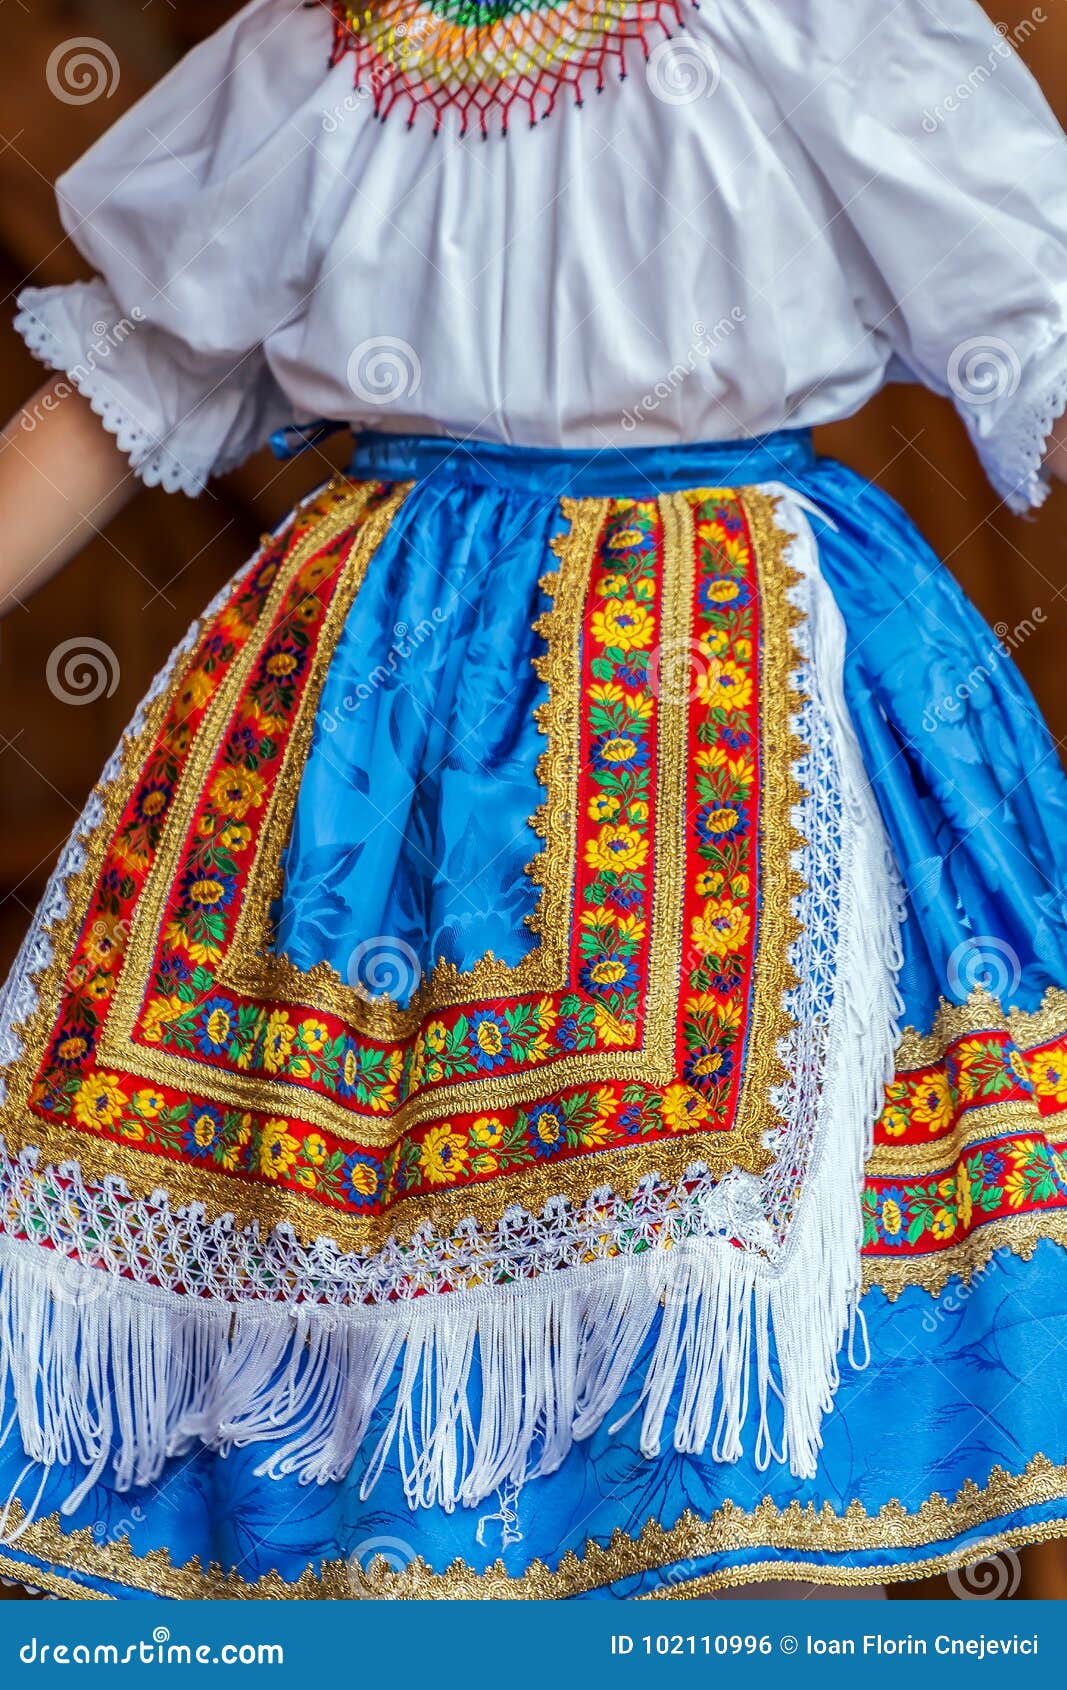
137,586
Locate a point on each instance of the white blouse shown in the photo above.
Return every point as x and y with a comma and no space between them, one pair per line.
787,205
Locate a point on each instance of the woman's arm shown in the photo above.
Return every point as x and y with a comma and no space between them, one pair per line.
62,478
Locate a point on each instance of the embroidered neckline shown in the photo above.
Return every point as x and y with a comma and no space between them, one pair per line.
484,57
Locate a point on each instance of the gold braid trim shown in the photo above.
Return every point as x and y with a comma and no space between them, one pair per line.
794,1528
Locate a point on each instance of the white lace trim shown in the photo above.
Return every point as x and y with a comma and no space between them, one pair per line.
275,1340
48,331
1014,455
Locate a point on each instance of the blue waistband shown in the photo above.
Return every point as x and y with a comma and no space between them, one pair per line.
623,470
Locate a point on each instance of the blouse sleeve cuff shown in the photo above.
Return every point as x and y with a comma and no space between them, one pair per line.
1013,450
117,362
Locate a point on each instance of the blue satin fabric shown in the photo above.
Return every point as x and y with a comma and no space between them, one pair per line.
411,821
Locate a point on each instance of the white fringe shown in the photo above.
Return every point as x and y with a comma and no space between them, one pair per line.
102,1370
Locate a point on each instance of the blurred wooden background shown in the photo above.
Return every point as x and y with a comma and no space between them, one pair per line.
136,587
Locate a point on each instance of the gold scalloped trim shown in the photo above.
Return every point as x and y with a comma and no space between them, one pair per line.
1021,1234
981,1013
797,1527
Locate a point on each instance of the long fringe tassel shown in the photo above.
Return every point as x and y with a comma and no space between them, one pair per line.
492,1387
814,1295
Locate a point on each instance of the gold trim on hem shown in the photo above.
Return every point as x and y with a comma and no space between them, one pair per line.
804,1528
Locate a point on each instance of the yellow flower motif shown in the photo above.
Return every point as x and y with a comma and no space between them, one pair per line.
548,1128
314,1036
72,1049
625,624
612,1031
606,692
278,1149
195,692
205,1128
932,1104
619,750
1049,1075
743,649
712,649
722,929
964,1201
280,663
200,950
443,1155
740,885
891,1216
487,1133
1017,1187
237,791
279,1042
435,1036
612,586
725,686
638,810
546,1014
742,769
602,807
231,1155
722,591
645,587
235,837
943,1224
364,1179
710,757
631,928
218,1025
300,1068
490,1038
708,883
1017,1064
618,847
608,971
894,1121
315,1149
722,820
130,1127
306,1177
149,1102
99,1100
159,1014
683,1108
594,1133
105,940
625,539
641,706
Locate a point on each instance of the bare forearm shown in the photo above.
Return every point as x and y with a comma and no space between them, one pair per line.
62,478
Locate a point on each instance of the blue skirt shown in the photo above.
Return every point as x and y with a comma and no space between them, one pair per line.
408,850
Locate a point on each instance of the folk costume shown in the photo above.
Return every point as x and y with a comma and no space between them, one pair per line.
542,1069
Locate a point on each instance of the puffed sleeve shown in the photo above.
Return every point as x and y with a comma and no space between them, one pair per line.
196,210
947,193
